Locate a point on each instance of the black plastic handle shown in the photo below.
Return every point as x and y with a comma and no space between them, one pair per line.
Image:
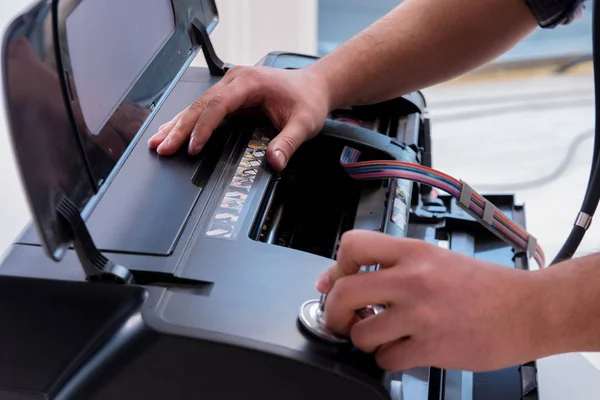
361,139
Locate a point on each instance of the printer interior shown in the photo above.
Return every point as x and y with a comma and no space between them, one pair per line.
313,201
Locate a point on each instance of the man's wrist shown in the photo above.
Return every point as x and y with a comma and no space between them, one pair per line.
545,314
569,307
322,74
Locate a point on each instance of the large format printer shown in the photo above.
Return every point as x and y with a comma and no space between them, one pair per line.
183,277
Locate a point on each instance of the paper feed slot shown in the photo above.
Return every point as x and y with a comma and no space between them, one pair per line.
310,204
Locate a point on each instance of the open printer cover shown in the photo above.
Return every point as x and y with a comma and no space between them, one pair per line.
182,277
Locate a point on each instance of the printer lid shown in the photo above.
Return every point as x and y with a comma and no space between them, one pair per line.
82,79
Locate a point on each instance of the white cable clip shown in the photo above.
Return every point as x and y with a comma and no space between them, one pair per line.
531,246
466,193
488,212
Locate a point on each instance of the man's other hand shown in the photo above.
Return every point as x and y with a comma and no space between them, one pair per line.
296,101
443,309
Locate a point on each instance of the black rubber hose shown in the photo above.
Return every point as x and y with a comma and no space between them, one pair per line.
592,194
595,59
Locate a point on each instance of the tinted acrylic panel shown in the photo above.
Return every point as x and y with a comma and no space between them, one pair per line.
110,44
50,161
140,50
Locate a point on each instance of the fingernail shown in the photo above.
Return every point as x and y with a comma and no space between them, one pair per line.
194,146
323,283
164,144
153,137
280,158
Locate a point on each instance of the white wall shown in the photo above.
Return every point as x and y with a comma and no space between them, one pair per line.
249,29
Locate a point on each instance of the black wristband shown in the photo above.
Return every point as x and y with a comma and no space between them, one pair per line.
551,13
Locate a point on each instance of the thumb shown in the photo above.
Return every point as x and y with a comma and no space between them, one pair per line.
284,145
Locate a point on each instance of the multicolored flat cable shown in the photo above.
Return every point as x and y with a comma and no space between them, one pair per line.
472,202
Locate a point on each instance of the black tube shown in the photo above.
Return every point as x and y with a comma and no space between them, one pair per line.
596,154
592,194
595,56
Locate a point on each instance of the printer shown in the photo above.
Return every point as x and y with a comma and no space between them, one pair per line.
184,277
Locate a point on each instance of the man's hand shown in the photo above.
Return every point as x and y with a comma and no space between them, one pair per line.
296,101
418,44
444,309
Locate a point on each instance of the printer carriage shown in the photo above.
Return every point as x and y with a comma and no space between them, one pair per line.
202,262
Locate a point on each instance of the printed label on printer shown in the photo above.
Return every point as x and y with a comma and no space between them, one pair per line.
228,217
400,211
220,230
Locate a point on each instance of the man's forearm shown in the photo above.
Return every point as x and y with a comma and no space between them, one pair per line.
421,43
569,309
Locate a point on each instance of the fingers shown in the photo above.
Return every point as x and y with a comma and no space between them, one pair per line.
364,248
284,145
164,131
173,134
231,98
289,99
171,123
163,141
182,128
354,292
373,332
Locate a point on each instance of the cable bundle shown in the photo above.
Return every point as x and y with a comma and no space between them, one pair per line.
500,224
